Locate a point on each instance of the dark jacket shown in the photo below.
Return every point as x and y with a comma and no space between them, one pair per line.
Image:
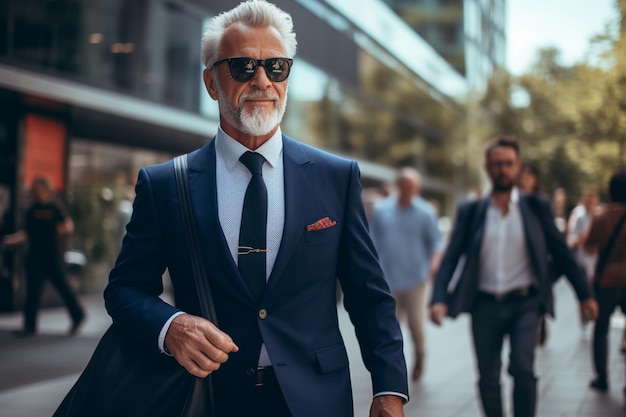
301,329
545,244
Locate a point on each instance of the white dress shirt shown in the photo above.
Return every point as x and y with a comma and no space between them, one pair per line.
504,260
232,178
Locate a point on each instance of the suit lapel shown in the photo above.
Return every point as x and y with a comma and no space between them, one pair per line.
479,220
532,226
298,169
203,187
471,268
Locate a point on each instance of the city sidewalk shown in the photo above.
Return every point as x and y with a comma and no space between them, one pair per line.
35,373
563,365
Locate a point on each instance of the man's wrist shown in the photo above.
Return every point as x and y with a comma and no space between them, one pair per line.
403,397
164,329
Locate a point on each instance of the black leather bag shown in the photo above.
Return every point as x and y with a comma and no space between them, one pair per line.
123,379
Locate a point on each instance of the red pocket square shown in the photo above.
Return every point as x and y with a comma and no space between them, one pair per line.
321,224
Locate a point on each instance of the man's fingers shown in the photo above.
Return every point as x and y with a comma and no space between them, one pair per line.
201,367
219,339
589,309
437,313
198,345
204,363
214,353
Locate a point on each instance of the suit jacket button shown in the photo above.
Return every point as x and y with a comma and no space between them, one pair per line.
262,314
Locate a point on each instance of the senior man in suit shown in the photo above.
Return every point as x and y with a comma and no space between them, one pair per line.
281,222
496,268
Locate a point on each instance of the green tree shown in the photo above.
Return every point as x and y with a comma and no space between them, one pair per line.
571,120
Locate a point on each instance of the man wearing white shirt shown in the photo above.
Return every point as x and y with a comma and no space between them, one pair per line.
280,222
505,240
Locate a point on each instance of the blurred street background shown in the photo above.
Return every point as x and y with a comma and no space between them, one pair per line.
93,90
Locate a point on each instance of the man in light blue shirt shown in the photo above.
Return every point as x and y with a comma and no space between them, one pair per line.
405,233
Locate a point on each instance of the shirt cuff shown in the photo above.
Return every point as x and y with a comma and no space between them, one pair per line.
164,330
405,398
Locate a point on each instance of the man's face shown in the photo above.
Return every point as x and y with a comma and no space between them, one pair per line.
254,107
503,167
407,187
590,200
41,193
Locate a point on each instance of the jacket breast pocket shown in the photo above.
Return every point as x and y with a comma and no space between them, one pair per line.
321,236
332,358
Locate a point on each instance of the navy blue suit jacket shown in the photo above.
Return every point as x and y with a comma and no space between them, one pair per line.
301,330
544,241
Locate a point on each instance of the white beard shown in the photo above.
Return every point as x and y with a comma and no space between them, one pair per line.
255,122
259,121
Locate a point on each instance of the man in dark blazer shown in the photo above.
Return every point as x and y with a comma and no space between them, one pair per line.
278,351
496,267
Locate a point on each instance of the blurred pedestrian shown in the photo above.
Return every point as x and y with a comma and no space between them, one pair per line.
528,181
46,223
559,207
407,239
607,239
577,227
496,268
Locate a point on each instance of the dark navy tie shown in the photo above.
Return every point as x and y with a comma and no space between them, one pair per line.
252,234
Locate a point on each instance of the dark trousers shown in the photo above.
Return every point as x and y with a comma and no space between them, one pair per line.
259,395
492,320
608,299
37,270
270,399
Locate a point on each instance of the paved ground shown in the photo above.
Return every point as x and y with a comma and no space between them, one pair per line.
35,373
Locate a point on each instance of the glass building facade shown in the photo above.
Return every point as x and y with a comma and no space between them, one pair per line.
469,34
116,85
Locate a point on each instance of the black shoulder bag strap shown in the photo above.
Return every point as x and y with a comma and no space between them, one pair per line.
603,257
200,273
200,401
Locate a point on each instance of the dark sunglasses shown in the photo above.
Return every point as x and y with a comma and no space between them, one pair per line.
242,69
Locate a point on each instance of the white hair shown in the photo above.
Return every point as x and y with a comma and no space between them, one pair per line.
254,13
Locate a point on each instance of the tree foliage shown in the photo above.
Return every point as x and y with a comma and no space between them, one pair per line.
571,120
392,121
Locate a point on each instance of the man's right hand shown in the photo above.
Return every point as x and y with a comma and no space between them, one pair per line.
438,312
199,346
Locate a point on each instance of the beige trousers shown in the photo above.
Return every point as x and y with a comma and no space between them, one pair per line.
412,305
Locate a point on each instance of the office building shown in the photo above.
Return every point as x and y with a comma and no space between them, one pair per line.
469,34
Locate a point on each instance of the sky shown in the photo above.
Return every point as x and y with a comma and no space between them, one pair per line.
565,24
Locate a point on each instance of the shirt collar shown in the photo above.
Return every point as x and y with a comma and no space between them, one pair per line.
514,197
231,150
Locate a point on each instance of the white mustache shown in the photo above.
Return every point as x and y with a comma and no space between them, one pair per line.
261,95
